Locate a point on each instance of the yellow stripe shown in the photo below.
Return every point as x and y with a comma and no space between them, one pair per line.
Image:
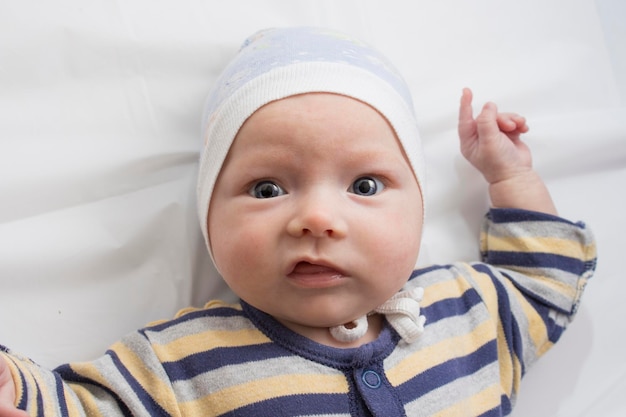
15,367
491,299
507,362
278,386
449,348
536,326
538,330
87,399
474,405
443,290
544,348
518,379
158,389
551,245
487,291
210,305
32,399
554,285
201,342
187,310
440,352
88,370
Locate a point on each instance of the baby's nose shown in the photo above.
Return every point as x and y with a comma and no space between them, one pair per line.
318,216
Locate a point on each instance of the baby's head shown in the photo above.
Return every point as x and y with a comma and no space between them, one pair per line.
311,178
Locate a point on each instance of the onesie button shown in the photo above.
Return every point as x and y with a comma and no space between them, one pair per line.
371,379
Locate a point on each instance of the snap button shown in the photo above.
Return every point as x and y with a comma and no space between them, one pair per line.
371,379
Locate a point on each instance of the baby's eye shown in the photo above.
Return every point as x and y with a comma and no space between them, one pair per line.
366,186
266,189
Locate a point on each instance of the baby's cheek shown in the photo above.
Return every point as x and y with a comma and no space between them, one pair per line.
398,247
242,248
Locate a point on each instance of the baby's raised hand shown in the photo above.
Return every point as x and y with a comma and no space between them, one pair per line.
7,393
491,142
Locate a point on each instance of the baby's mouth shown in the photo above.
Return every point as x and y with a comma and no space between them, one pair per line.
309,268
315,275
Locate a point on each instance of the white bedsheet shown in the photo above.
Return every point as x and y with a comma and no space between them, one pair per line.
99,135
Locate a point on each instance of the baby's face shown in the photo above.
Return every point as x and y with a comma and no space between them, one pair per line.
316,215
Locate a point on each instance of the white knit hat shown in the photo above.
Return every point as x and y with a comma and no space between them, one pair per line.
278,63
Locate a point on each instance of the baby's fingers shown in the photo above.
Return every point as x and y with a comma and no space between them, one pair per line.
465,110
512,123
467,124
487,123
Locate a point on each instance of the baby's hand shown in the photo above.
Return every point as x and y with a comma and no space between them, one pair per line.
7,393
491,142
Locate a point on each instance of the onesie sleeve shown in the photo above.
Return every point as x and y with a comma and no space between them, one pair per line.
488,321
547,258
128,377
533,272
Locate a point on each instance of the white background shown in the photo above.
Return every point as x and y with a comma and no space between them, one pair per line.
100,107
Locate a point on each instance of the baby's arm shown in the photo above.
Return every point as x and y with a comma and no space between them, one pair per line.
491,143
7,392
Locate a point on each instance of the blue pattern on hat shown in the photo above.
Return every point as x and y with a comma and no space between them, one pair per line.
274,48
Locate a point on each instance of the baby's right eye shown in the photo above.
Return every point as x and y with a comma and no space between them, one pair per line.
266,189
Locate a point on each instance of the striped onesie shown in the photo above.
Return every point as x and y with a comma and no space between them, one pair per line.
486,323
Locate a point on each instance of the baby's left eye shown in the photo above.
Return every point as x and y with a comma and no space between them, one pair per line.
366,186
266,189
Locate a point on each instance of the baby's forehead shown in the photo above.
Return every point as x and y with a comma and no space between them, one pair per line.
315,110
316,105
321,124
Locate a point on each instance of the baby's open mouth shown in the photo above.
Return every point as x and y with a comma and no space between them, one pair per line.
315,275
311,269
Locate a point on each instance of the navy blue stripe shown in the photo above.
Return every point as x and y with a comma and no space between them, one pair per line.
511,215
555,330
451,307
24,399
590,265
39,400
505,405
447,372
509,323
294,405
201,362
511,327
504,409
211,312
422,271
61,395
535,260
69,375
153,408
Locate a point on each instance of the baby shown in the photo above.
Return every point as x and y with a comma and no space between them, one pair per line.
311,201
